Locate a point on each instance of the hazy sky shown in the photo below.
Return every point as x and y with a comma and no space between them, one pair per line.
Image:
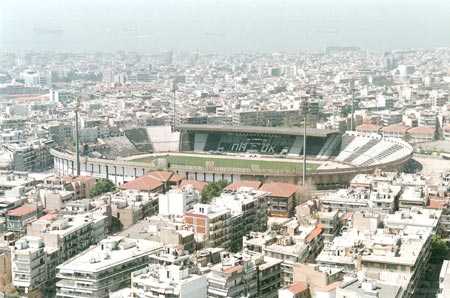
221,25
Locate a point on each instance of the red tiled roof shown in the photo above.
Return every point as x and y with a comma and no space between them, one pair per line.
347,216
422,130
176,178
232,269
396,128
21,211
49,216
298,287
328,288
280,189
84,178
243,183
437,203
197,185
193,214
162,176
144,183
368,127
77,178
314,233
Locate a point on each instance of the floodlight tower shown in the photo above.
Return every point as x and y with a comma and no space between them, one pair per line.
77,137
352,120
305,118
174,107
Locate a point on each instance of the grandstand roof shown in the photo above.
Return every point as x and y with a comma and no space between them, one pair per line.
295,131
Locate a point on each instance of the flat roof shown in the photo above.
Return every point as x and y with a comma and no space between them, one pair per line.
294,131
93,260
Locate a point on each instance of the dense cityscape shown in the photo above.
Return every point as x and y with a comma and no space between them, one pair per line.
177,173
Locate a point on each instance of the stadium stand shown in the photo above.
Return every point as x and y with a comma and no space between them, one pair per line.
297,146
365,150
138,136
163,139
329,148
117,147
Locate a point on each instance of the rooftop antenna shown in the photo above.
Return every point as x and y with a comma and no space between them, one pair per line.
77,136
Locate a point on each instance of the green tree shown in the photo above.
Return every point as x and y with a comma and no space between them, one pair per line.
439,249
213,189
102,186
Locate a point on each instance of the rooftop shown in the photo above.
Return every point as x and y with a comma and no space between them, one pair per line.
109,253
23,210
280,189
243,183
144,183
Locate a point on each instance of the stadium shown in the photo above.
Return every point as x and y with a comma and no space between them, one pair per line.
212,153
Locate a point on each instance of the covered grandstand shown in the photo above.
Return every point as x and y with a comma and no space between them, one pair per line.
261,140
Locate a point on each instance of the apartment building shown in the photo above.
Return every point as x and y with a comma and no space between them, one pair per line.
383,198
249,211
415,217
290,251
104,268
330,223
422,134
282,198
385,255
228,218
211,225
177,201
169,231
17,219
170,281
28,259
354,288
444,280
321,281
70,234
292,244
233,277
130,206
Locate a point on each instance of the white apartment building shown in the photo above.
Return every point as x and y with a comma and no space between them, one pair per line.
381,198
168,281
104,268
444,280
177,201
130,206
397,257
355,288
233,277
70,234
28,259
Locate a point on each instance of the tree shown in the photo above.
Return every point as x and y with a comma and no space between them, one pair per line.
102,186
439,249
212,190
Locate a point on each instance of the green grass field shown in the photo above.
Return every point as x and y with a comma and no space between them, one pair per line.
203,161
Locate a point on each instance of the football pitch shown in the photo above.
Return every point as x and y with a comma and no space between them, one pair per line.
230,162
